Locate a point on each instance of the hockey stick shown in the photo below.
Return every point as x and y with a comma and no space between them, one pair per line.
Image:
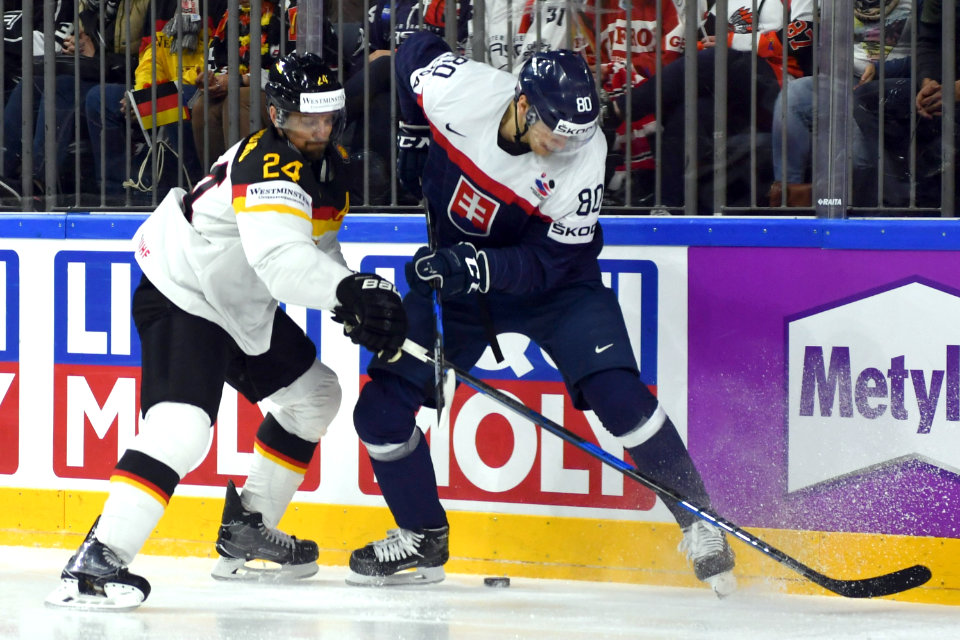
438,359
877,586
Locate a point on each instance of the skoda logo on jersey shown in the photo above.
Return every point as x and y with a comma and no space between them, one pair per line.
544,187
471,210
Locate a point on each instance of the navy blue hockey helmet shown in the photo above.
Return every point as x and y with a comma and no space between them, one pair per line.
562,94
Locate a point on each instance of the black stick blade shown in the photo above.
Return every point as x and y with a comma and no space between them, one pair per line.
878,586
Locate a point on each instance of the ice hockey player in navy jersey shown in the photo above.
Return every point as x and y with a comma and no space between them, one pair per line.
512,170
261,227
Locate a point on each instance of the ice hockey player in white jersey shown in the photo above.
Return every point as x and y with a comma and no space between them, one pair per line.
512,170
261,227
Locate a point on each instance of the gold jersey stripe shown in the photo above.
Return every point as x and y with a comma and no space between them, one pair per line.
240,206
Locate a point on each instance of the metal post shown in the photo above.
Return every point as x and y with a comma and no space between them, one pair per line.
451,30
508,40
310,27
204,142
948,125
179,110
254,64
835,110
480,30
3,83
392,169
49,114
233,62
628,105
26,113
690,106
366,106
720,106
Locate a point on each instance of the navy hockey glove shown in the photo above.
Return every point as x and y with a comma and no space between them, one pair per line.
456,270
413,144
371,312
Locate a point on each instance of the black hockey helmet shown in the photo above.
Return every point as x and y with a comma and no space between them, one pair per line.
303,83
562,95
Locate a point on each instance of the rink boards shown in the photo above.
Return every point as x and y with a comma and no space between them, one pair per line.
812,366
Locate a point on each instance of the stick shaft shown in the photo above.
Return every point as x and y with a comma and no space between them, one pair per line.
438,359
886,584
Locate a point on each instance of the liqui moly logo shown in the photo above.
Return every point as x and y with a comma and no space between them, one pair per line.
97,376
9,362
875,381
483,452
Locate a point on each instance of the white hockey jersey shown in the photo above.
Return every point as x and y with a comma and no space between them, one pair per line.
260,228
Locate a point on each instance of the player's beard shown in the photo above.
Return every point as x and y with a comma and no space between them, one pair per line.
314,150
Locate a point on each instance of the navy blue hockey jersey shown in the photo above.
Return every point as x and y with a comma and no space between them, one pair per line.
537,217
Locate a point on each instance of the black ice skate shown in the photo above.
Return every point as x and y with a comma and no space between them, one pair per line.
95,578
706,546
403,557
243,538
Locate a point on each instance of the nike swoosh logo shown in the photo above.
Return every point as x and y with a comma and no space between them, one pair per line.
450,129
602,349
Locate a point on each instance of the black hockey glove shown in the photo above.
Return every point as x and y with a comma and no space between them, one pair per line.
457,270
371,312
413,144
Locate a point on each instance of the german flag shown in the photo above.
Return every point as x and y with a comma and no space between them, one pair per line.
169,104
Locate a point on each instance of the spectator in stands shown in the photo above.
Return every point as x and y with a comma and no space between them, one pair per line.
540,26
114,43
871,18
770,49
179,35
406,20
64,104
211,125
901,131
13,36
646,35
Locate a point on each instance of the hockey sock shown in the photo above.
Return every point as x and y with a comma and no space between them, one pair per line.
665,458
140,489
409,485
628,410
172,439
280,461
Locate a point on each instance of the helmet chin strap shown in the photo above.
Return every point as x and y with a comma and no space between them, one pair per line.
516,125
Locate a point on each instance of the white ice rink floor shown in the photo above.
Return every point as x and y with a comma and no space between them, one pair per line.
186,603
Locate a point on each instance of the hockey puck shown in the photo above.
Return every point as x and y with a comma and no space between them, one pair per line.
496,581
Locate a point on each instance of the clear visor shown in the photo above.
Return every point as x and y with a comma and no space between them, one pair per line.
325,126
565,137
318,127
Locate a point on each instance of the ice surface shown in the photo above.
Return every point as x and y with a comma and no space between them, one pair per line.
186,603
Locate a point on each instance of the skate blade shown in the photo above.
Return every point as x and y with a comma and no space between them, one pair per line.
261,570
723,584
418,576
117,597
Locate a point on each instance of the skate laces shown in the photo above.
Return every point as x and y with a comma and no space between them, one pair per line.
701,540
277,537
111,558
399,544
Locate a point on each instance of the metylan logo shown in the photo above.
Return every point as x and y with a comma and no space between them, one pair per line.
874,381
